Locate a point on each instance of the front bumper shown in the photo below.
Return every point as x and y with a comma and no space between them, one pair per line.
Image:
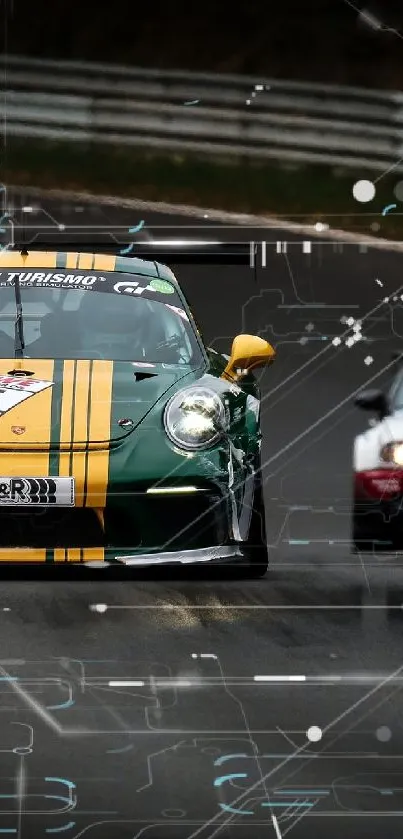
132,522
108,557
137,529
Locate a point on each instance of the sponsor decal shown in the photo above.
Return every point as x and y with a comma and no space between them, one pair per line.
14,390
65,279
162,286
22,383
53,279
18,429
22,491
130,287
134,287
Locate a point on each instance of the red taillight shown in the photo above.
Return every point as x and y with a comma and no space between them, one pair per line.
379,483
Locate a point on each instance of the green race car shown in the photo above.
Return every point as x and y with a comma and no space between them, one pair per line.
123,439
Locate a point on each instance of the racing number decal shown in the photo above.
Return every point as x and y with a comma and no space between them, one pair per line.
14,390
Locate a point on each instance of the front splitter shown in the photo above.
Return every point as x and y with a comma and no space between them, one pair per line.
191,557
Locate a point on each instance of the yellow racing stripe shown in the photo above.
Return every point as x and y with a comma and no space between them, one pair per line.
104,263
48,259
99,429
35,259
93,554
22,554
66,555
73,555
34,414
72,259
85,261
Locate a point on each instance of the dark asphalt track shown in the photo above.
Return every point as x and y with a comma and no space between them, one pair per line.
144,759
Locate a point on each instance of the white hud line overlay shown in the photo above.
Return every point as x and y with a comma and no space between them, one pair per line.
153,683
244,796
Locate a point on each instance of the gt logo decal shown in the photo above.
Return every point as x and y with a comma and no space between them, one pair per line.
130,287
133,287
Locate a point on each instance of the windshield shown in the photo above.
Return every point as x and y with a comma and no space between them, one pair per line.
395,395
118,317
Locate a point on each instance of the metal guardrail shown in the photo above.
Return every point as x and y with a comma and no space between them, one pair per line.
288,121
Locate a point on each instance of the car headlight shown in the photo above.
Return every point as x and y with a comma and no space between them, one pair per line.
393,453
195,418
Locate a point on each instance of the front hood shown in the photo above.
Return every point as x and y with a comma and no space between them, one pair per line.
68,404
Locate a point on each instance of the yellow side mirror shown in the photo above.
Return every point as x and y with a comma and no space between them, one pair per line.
248,352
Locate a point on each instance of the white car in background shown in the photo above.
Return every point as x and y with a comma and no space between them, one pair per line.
378,471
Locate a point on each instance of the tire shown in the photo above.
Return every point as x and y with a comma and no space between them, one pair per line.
255,550
374,546
369,535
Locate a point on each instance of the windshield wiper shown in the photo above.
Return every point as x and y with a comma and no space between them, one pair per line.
172,343
19,343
